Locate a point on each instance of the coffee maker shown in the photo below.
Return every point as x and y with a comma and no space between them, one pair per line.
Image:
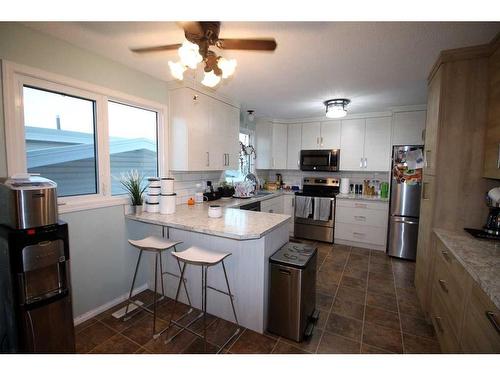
493,202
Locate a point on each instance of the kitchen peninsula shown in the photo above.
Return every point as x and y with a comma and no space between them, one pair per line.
250,236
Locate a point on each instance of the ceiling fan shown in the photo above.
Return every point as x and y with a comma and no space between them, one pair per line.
201,36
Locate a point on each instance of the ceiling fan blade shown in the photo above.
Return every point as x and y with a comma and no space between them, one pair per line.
192,27
168,47
248,44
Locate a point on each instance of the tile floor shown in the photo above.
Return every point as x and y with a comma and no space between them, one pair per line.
367,304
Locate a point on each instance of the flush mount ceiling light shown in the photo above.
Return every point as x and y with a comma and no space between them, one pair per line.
196,49
251,115
336,108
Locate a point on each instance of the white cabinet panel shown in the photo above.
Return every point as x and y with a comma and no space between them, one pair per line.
352,142
218,127
232,146
279,146
294,145
330,135
377,144
408,128
361,233
289,209
263,139
311,131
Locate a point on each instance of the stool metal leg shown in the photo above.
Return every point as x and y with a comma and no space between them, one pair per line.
132,286
154,296
230,295
205,274
184,283
161,276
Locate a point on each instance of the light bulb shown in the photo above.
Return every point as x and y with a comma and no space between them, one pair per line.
190,54
227,66
335,111
210,79
177,69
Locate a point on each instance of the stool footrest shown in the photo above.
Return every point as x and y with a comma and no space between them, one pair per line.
141,307
185,327
174,275
220,291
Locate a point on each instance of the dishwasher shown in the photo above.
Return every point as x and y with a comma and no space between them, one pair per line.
292,295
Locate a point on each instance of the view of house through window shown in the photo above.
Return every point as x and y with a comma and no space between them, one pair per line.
60,140
243,163
132,142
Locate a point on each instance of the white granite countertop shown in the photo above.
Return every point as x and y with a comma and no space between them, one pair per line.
373,198
480,258
234,223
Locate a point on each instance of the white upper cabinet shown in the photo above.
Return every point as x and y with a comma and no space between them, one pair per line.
408,128
352,144
263,144
377,153
311,132
330,135
203,132
279,146
294,145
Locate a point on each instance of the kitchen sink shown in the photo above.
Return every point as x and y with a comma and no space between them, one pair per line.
262,193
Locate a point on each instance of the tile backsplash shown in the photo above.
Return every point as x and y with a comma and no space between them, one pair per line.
295,177
185,183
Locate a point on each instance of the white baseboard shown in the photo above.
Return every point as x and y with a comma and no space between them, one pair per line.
94,312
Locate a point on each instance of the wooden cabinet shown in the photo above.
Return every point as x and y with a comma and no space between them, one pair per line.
432,123
321,135
408,128
361,223
352,144
481,329
365,144
203,132
492,140
294,145
279,149
289,209
311,132
377,148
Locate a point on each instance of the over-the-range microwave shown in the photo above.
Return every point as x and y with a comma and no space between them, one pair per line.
320,160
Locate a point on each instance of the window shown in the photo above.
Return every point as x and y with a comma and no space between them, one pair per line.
60,140
245,164
79,135
132,142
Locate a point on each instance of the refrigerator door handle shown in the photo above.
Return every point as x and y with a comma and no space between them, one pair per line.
404,220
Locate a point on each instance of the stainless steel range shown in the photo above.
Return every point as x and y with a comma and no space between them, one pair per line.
315,209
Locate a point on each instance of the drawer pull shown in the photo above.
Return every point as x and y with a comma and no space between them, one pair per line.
492,318
360,218
442,283
360,205
445,255
358,234
437,319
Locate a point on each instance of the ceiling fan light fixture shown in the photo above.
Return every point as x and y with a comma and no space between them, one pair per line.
211,79
190,54
336,108
177,70
227,66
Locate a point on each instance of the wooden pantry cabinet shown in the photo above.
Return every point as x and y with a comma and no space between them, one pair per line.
453,184
203,132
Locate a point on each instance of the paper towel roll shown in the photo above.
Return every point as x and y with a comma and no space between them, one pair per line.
344,186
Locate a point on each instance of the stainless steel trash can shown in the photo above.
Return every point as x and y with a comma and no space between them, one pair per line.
292,295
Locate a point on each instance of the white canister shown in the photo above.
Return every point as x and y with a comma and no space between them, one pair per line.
154,190
344,186
199,197
154,182
214,211
153,198
167,203
167,185
152,207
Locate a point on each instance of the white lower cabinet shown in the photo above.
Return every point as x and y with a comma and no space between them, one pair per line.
272,205
361,223
289,209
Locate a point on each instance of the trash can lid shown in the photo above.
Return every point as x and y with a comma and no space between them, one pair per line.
293,254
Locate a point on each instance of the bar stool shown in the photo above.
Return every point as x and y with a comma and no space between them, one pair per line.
156,245
198,256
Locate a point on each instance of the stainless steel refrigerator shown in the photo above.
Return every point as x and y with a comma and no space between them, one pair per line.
404,209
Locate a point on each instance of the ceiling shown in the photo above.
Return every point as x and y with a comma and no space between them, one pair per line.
375,64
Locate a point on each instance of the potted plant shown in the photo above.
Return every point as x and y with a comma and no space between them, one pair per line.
226,189
132,182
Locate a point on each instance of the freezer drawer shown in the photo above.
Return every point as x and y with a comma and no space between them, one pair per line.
403,235
405,199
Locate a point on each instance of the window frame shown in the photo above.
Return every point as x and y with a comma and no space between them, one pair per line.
15,76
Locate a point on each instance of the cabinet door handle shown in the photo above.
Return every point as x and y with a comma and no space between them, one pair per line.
438,319
445,255
208,159
492,318
361,163
442,283
358,234
366,162
228,160
360,218
423,135
498,157
317,140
